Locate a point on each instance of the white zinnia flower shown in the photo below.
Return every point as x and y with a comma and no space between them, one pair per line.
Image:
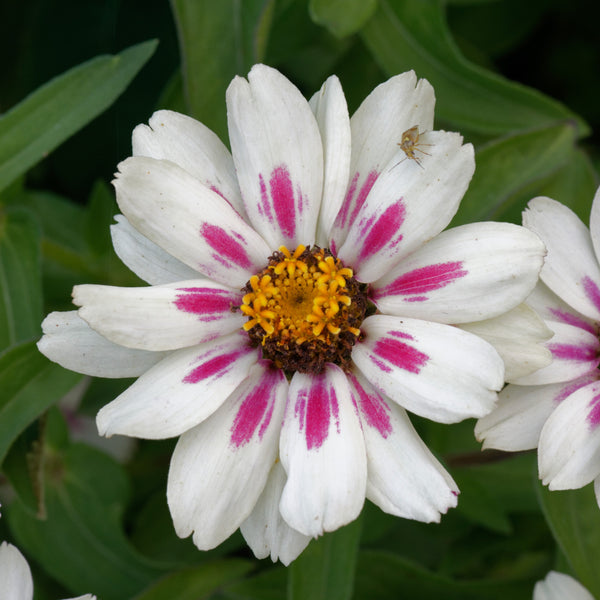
558,586
15,576
290,395
557,409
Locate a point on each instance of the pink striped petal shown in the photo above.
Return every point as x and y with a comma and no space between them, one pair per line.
595,223
569,447
180,391
323,453
436,371
331,112
468,273
388,111
69,341
188,220
194,147
404,478
220,467
163,317
265,531
571,268
406,206
278,155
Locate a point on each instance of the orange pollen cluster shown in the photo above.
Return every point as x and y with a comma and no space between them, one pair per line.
300,296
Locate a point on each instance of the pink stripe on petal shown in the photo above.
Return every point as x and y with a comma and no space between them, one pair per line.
593,417
344,218
401,355
591,291
208,303
566,391
570,319
374,408
423,280
226,247
573,352
282,195
264,208
379,231
315,408
256,410
215,367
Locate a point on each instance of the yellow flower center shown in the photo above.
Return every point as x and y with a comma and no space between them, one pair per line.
304,309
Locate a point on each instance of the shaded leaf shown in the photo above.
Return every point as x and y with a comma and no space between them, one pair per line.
342,17
51,114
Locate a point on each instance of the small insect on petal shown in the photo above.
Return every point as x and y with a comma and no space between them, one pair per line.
409,144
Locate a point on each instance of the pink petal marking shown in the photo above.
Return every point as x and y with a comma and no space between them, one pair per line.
573,352
315,407
373,407
573,386
208,303
282,201
215,367
593,417
355,200
256,409
264,208
574,320
399,354
422,280
226,248
591,291
379,231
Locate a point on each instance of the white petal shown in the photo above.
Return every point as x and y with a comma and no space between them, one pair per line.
188,220
220,467
278,155
433,370
181,391
194,147
571,269
518,336
407,206
163,317
595,223
323,453
516,422
147,260
377,126
597,490
575,352
84,597
331,112
69,341
404,478
15,574
558,586
569,448
265,531
468,273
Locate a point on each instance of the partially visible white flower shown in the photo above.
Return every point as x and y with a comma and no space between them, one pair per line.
557,409
16,582
558,586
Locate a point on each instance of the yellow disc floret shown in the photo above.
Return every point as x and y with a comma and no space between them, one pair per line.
304,307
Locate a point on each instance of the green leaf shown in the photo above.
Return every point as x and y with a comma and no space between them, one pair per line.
574,520
342,17
507,166
30,384
412,34
267,585
195,583
381,576
219,40
81,543
54,112
325,570
20,278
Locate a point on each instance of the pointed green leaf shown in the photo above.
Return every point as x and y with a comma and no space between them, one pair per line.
342,17
54,112
219,40
412,34
30,384
574,520
325,570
